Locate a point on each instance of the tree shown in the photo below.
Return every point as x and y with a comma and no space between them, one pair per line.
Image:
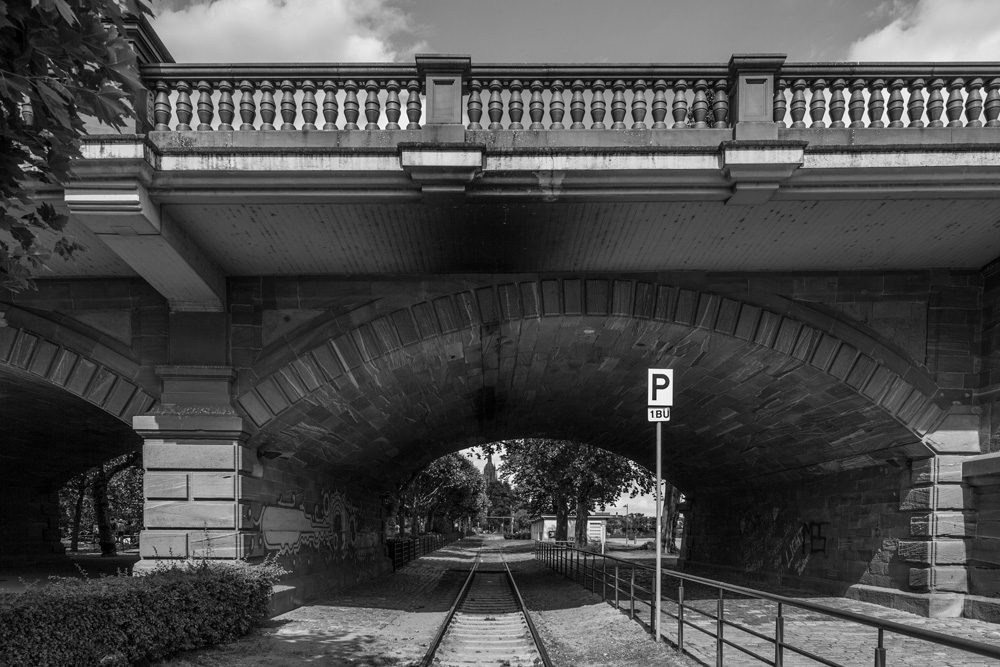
115,486
553,475
60,61
103,476
449,489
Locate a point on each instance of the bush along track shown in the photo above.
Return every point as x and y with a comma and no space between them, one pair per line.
124,620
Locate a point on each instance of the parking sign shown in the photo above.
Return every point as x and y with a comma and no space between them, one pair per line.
660,390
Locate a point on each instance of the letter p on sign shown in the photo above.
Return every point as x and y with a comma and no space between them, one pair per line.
660,390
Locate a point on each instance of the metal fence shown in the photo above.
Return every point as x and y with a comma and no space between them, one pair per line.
627,585
402,551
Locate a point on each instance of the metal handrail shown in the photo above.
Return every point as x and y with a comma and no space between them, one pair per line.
941,639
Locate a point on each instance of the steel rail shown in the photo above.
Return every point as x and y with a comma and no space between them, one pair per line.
436,642
949,641
546,662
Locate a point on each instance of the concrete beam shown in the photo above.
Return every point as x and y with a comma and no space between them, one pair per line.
128,222
758,168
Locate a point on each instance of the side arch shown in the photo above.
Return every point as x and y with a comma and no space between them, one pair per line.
52,352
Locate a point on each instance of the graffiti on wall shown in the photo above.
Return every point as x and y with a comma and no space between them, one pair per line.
332,527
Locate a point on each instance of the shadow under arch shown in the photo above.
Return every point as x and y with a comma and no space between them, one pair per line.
69,398
766,390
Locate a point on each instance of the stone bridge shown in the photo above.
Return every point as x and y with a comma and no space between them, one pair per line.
303,282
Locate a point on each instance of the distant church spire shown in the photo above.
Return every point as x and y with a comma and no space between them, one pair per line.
490,470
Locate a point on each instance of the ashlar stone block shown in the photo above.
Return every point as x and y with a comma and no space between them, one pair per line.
935,552
949,579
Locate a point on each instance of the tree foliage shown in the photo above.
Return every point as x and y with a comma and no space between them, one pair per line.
560,475
450,489
60,61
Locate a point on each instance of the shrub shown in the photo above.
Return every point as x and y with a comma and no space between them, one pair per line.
123,620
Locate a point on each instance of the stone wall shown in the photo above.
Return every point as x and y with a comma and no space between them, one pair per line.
328,535
827,533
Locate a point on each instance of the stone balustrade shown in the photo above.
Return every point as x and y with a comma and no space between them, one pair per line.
569,97
888,96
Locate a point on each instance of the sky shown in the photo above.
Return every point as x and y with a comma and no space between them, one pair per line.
585,31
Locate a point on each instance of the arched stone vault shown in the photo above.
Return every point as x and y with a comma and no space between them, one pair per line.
68,398
764,392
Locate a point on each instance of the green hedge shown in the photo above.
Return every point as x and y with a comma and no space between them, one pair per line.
117,621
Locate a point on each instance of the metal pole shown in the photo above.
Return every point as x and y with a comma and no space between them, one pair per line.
616,586
604,579
880,650
631,596
779,639
659,528
680,615
719,628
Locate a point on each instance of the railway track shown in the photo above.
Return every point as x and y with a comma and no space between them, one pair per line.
488,624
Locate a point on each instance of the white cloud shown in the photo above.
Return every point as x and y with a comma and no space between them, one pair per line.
935,30
285,31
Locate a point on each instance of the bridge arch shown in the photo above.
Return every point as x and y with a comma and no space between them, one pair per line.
516,347
57,352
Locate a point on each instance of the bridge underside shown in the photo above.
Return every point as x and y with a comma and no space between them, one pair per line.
744,414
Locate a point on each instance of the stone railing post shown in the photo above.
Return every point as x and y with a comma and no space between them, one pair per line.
752,103
148,49
444,80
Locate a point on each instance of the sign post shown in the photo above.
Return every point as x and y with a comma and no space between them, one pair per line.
659,399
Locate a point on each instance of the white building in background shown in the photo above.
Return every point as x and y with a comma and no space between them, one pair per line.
543,528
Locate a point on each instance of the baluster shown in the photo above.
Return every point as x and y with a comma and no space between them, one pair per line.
915,106
577,107
798,106
992,105
699,109
227,110
639,105
895,107
330,107
352,110
288,111
373,108
413,109
856,107
837,104
393,109
475,105
974,104
659,104
183,106
206,111
680,105
597,105
161,107
557,106
876,104
935,103
618,105
720,104
267,108
780,105
955,103
495,106
536,107
817,104
515,106
309,108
